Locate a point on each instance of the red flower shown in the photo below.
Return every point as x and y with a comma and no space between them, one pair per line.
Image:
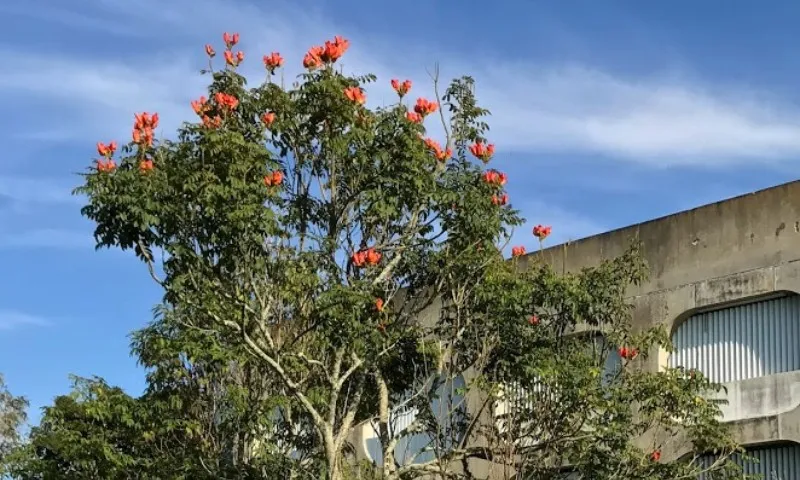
313,59
414,117
443,155
106,150
273,179
425,107
373,257
533,320
273,61
500,200
437,151
200,105
210,51
106,165
493,177
145,120
232,60
541,232
230,40
226,101
212,123
402,88
518,251
432,144
379,304
482,151
366,257
268,118
655,456
355,94
628,353
145,166
333,50
143,127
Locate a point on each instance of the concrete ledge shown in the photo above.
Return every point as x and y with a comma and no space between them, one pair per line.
767,396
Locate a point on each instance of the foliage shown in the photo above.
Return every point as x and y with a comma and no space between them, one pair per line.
325,264
12,418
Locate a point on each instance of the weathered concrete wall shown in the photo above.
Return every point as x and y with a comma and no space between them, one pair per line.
732,236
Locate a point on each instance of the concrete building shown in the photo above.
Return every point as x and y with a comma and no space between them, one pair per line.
725,281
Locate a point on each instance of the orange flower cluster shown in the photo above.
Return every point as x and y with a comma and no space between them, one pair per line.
379,304
541,232
212,123
210,51
366,257
414,117
328,53
143,127
482,151
106,164
200,106
273,61
145,165
273,179
500,200
493,177
518,251
438,153
533,320
230,58
230,39
425,107
655,456
233,60
628,353
268,118
334,50
355,95
402,88
106,150
226,101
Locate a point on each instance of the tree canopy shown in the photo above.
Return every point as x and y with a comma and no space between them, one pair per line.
327,265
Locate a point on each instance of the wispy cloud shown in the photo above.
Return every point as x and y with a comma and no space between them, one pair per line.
657,120
11,319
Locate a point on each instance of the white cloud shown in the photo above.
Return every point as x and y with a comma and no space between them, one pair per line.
10,319
544,108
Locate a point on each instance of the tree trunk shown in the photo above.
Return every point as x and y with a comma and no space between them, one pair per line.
332,456
389,469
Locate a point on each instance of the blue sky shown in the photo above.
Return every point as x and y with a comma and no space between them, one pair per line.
604,113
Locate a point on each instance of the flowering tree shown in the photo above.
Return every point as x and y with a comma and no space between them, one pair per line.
325,264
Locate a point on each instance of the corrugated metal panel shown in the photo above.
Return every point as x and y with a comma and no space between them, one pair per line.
741,342
779,462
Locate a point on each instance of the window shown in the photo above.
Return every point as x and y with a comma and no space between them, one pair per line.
774,462
741,342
